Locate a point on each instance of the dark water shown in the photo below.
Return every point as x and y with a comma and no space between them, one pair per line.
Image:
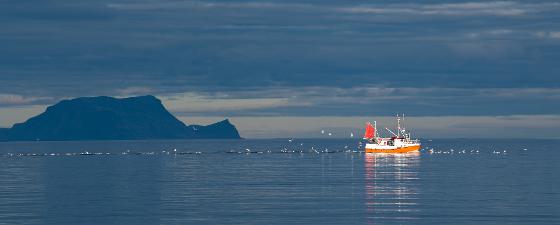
278,182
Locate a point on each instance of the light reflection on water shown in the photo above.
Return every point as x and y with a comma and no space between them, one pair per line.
391,185
146,182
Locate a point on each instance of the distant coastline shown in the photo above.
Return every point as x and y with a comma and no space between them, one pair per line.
108,118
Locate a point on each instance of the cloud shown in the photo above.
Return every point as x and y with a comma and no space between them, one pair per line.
189,103
303,58
17,114
548,34
14,100
554,34
492,8
175,5
360,101
515,126
135,91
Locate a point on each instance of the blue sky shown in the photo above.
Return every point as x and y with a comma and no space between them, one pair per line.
472,68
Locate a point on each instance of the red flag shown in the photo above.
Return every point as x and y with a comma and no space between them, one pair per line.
370,131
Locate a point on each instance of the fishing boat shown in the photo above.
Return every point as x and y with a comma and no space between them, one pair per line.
399,142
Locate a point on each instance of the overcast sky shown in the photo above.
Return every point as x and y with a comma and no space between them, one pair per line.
291,68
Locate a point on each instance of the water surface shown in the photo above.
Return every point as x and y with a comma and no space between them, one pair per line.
278,181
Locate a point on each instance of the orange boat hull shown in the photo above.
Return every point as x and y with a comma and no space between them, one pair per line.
398,150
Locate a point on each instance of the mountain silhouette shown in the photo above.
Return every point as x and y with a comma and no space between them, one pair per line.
108,118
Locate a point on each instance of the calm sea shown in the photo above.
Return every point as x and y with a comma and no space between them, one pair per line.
279,181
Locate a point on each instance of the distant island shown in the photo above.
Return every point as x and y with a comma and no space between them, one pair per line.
108,118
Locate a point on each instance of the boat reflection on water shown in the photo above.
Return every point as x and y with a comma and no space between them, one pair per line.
391,186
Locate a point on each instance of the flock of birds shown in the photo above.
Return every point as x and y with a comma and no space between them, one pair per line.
323,132
291,148
452,151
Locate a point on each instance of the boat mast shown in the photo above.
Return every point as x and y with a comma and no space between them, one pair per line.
406,135
398,126
375,128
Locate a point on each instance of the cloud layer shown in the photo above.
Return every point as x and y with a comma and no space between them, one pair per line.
519,126
287,58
